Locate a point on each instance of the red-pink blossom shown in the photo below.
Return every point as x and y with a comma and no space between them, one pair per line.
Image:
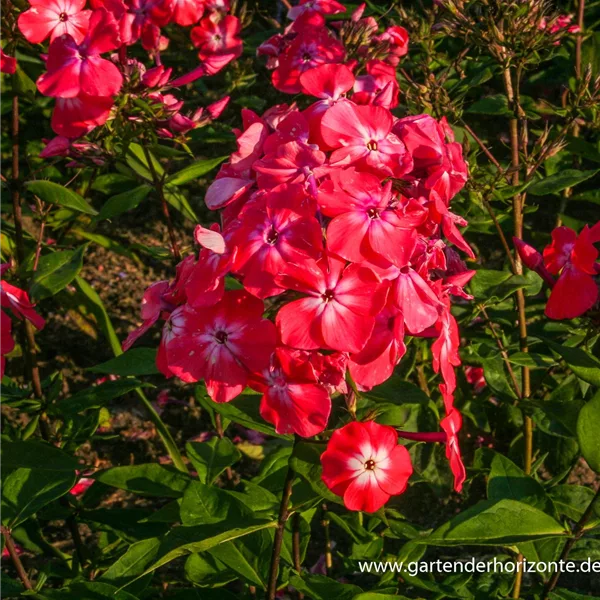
339,310
74,69
8,64
221,344
54,18
293,399
365,465
74,117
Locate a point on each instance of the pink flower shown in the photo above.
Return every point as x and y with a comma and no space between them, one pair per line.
222,344
325,7
75,68
452,424
8,64
218,38
273,235
475,376
365,465
54,18
445,352
365,226
362,136
397,38
378,87
312,47
574,257
339,311
74,117
187,12
375,363
18,301
81,487
293,399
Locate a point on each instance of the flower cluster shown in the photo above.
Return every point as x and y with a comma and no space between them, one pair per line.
573,258
331,237
17,301
308,43
85,78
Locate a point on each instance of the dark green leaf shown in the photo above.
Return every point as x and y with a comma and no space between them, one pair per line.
490,523
583,364
507,481
319,587
195,170
137,361
587,432
211,458
53,193
560,181
36,455
55,271
149,479
123,202
491,105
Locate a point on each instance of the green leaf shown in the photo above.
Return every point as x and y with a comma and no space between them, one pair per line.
94,304
495,286
560,181
306,461
491,105
187,540
532,360
211,458
123,202
572,500
203,504
137,361
562,594
55,271
587,432
149,479
195,170
95,396
243,410
36,455
23,85
508,481
582,363
26,491
491,523
132,564
319,587
53,193
111,184
178,201
90,590
136,159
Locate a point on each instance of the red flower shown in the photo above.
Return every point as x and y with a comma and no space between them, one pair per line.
375,363
325,7
397,38
273,234
365,465
81,487
574,257
217,39
8,64
75,68
452,424
378,87
18,301
293,399
187,12
363,137
339,312
365,225
54,18
222,344
312,47
74,117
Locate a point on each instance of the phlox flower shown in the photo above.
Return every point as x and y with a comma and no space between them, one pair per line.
54,18
365,465
340,307
293,400
74,69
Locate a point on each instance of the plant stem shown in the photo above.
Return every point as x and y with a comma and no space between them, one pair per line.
165,207
576,535
14,556
278,541
296,547
518,202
